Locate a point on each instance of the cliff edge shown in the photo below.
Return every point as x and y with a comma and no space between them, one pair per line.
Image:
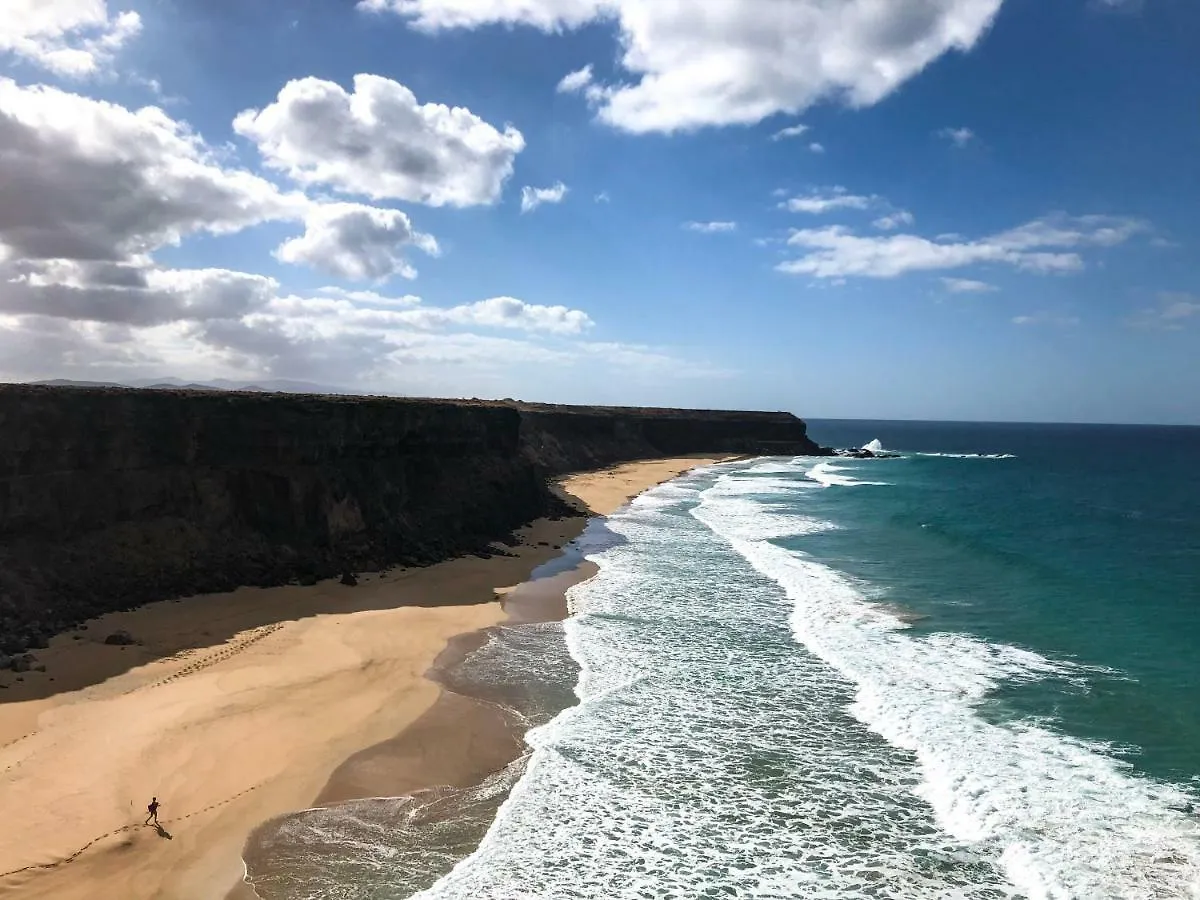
112,497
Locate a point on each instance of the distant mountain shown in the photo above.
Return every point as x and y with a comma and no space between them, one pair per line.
67,382
269,386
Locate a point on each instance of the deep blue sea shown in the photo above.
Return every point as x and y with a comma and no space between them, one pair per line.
968,672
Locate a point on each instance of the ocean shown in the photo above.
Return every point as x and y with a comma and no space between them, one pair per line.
967,672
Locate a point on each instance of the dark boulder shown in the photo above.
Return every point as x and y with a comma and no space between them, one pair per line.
120,639
863,453
349,579
22,663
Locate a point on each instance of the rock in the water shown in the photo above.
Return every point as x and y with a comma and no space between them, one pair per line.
864,453
120,639
349,579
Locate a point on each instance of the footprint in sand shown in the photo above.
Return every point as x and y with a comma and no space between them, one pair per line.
231,650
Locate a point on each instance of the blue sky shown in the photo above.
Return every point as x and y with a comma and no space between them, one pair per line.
989,212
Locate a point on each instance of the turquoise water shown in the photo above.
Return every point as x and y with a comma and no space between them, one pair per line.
968,673
939,676
1085,545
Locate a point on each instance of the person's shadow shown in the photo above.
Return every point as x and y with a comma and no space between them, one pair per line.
162,832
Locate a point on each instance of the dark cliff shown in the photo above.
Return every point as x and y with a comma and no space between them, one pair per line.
112,497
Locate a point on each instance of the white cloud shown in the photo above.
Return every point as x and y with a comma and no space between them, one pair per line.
967,286
506,312
894,220
574,82
434,15
1048,319
603,197
532,198
71,38
1037,246
381,143
351,338
959,137
365,309
819,202
816,147
356,242
89,190
1169,314
742,60
789,132
370,298
129,294
89,180
711,227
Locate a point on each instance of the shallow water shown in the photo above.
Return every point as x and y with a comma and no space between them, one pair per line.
963,673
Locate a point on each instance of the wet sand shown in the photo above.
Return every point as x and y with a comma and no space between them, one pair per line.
236,708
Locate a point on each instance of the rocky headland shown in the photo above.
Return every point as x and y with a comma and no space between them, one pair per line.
111,497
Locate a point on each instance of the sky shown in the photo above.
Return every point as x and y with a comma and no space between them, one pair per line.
930,209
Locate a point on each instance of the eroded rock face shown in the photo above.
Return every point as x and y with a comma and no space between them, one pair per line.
110,498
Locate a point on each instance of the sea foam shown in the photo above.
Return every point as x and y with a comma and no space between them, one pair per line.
709,755
828,474
1063,818
750,725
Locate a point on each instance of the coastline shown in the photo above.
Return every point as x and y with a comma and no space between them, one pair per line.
305,680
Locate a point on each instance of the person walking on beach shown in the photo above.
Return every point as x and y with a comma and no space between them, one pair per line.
153,810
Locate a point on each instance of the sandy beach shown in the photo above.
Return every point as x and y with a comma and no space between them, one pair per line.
235,708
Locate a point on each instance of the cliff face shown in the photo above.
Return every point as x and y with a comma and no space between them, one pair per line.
110,497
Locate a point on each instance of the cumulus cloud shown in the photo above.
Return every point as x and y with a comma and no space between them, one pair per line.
85,179
742,60
352,337
967,286
1046,245
790,132
828,200
91,191
959,137
501,346
381,143
356,242
130,295
711,227
532,198
71,38
816,147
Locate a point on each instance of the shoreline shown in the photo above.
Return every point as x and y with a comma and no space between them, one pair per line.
306,679
469,734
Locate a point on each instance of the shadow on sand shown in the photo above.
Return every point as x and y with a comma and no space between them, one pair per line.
219,625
